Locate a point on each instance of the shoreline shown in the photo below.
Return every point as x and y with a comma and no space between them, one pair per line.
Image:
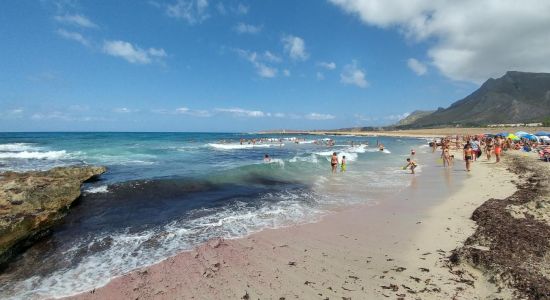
306,261
415,133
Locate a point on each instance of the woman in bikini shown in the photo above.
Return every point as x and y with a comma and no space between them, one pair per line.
468,155
334,162
489,148
498,148
446,156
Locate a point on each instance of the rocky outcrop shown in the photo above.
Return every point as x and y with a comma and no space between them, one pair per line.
32,202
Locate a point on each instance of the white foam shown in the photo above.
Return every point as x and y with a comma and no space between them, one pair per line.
35,155
276,161
349,156
97,189
16,147
129,251
312,159
239,146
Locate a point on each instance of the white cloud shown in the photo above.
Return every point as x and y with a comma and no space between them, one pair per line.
239,112
319,76
191,11
193,112
470,40
398,117
279,115
76,20
286,72
295,47
124,110
242,9
417,67
247,28
268,56
353,74
131,53
257,60
327,65
74,36
318,116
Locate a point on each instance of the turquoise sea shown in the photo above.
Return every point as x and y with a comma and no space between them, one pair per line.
167,192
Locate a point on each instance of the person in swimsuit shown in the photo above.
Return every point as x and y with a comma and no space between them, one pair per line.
413,152
468,155
267,159
334,162
343,164
498,148
412,164
446,156
489,148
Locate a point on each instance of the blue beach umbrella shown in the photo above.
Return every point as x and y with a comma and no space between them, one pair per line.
521,133
503,134
542,133
530,137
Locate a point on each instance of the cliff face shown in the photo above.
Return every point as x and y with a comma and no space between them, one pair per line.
32,202
516,97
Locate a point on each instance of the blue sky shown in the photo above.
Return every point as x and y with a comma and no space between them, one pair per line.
205,65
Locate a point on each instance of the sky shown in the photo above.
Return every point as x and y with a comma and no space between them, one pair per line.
237,65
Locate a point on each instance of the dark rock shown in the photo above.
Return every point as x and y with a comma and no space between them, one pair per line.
38,201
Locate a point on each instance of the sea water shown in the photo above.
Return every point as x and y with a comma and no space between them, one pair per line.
168,192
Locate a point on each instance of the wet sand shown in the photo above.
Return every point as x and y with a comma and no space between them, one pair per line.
397,249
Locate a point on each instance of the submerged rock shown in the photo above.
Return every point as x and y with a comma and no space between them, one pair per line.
32,202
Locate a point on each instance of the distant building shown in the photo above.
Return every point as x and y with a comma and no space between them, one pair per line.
516,125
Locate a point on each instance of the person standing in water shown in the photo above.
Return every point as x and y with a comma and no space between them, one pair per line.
343,164
468,155
334,162
267,159
446,156
412,164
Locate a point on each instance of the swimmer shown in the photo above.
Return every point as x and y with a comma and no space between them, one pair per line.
334,162
343,164
381,147
267,159
412,164
413,152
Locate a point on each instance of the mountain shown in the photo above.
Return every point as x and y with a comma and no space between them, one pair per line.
413,117
516,97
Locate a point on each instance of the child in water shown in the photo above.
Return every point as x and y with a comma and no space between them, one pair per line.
412,164
343,164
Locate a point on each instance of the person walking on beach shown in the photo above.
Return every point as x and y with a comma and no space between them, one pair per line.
334,162
468,155
489,148
412,164
446,156
343,164
498,148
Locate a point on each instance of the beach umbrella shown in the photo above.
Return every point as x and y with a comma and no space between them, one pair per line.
512,137
531,137
521,133
542,133
503,134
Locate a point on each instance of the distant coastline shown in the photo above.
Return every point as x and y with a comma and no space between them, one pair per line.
428,132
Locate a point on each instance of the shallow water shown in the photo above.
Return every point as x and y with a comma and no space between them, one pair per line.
168,192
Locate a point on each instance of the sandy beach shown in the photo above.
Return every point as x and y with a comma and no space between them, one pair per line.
398,249
426,132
